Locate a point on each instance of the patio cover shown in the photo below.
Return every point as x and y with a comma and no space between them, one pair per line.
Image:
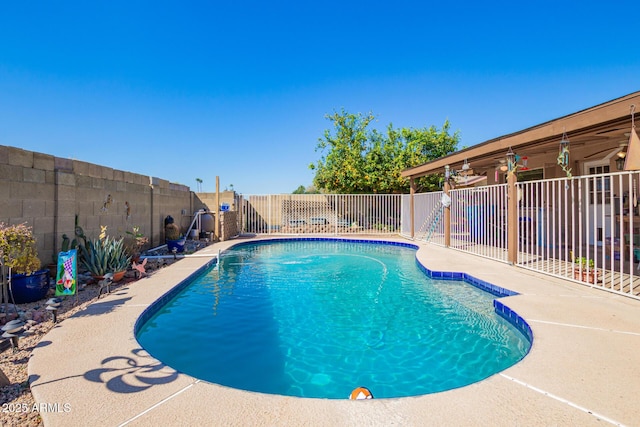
608,120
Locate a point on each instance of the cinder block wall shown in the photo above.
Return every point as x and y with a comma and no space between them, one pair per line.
207,201
47,193
228,225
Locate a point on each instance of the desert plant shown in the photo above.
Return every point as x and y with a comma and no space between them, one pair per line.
104,255
582,263
18,248
171,232
138,241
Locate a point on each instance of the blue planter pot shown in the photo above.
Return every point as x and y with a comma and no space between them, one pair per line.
33,287
178,244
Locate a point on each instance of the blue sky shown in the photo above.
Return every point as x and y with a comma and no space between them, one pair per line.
186,90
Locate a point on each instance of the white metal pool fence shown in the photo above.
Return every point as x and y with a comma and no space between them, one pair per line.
321,214
585,229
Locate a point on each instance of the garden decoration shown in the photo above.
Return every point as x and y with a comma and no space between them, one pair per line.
66,280
13,330
52,306
140,269
105,284
107,203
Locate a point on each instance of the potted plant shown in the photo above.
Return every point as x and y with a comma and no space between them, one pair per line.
173,238
136,243
583,265
19,253
105,255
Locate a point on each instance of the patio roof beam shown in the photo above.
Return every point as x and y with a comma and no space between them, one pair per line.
609,118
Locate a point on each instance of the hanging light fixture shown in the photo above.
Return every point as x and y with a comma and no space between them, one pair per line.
621,156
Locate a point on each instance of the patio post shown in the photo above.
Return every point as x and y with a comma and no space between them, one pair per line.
412,192
217,222
447,217
512,218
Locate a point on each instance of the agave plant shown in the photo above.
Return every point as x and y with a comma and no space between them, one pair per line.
104,255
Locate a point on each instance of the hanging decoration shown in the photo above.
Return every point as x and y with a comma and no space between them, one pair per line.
563,154
632,159
501,166
512,161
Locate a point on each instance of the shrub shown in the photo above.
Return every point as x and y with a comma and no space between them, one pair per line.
18,248
171,232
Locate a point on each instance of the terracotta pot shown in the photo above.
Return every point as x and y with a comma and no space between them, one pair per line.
577,274
583,276
53,270
592,277
116,276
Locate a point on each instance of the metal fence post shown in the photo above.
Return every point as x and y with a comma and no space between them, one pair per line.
512,218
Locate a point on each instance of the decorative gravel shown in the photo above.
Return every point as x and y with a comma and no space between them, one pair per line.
17,406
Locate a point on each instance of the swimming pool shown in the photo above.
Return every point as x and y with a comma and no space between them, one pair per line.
317,318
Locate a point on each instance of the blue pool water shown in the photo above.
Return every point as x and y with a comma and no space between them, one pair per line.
319,318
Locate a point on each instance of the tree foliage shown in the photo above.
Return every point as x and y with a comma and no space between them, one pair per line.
356,159
305,190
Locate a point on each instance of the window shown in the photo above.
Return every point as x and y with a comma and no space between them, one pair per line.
599,186
530,175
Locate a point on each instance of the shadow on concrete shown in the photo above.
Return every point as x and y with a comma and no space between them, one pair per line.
122,374
101,307
43,343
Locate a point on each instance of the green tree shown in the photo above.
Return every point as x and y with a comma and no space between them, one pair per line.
356,159
305,190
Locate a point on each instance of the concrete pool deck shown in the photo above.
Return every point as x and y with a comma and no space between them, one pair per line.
583,368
